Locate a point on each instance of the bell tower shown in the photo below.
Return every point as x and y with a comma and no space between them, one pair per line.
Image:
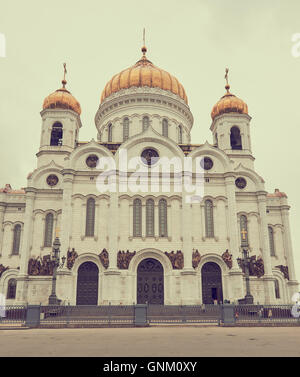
60,125
231,127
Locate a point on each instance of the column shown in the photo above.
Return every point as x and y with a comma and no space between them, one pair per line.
268,277
2,212
288,242
22,280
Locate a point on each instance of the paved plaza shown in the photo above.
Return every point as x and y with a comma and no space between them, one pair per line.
152,341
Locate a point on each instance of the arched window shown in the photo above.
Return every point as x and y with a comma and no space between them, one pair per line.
90,218
180,134
244,230
163,219
271,241
125,129
277,291
145,123
137,218
165,127
109,130
150,218
235,138
11,289
56,134
16,240
48,230
209,218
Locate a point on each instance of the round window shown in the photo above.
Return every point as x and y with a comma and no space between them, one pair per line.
240,183
149,156
206,163
92,160
52,180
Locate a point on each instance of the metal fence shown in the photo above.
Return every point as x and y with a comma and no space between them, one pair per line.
13,314
175,314
264,314
87,314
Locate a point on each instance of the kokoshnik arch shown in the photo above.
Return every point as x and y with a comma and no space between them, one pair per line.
126,248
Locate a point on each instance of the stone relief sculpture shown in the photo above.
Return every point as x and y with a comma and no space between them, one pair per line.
124,259
227,258
2,269
41,266
177,259
71,257
284,270
196,258
256,266
104,258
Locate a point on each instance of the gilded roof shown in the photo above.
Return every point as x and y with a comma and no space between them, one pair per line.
229,103
144,73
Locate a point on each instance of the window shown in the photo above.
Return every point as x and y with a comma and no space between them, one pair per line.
56,134
145,123
90,218
209,219
109,137
179,134
271,241
48,230
125,129
244,230
16,240
235,138
150,218
137,218
165,127
277,291
163,225
11,289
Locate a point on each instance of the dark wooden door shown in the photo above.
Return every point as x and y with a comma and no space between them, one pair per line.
211,277
150,282
87,284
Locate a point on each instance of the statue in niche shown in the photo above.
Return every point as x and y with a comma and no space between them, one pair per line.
196,258
104,258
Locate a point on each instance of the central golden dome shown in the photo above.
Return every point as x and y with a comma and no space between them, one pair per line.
144,73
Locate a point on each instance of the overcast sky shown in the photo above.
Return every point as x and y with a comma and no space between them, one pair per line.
193,39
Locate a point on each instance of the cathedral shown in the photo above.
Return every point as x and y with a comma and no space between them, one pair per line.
134,246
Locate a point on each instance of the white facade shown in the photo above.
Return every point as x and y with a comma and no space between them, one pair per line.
114,220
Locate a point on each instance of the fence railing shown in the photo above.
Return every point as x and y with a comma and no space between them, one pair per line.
142,315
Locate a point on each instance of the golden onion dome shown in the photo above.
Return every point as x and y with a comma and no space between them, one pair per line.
62,98
144,73
229,103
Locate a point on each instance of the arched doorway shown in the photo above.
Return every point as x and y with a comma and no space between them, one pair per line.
150,282
87,284
211,276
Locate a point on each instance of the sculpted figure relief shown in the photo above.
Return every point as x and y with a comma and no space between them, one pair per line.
71,256
227,258
104,258
124,259
2,269
284,270
196,259
40,266
177,259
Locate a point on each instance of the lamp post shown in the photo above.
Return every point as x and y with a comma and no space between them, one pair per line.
53,300
245,262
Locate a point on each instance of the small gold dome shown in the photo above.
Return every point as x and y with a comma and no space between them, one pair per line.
229,103
62,99
144,73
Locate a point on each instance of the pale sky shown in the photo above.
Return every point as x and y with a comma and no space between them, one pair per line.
193,39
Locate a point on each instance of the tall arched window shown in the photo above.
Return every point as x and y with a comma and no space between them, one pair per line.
16,240
180,134
209,218
109,130
90,217
165,127
271,241
56,134
150,218
277,290
145,123
244,230
11,289
163,218
137,218
235,138
48,230
125,129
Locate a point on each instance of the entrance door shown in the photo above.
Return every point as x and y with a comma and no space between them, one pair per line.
150,282
211,283
87,284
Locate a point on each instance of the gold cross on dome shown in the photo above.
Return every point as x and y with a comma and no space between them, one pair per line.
226,75
65,70
144,36
57,232
244,232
